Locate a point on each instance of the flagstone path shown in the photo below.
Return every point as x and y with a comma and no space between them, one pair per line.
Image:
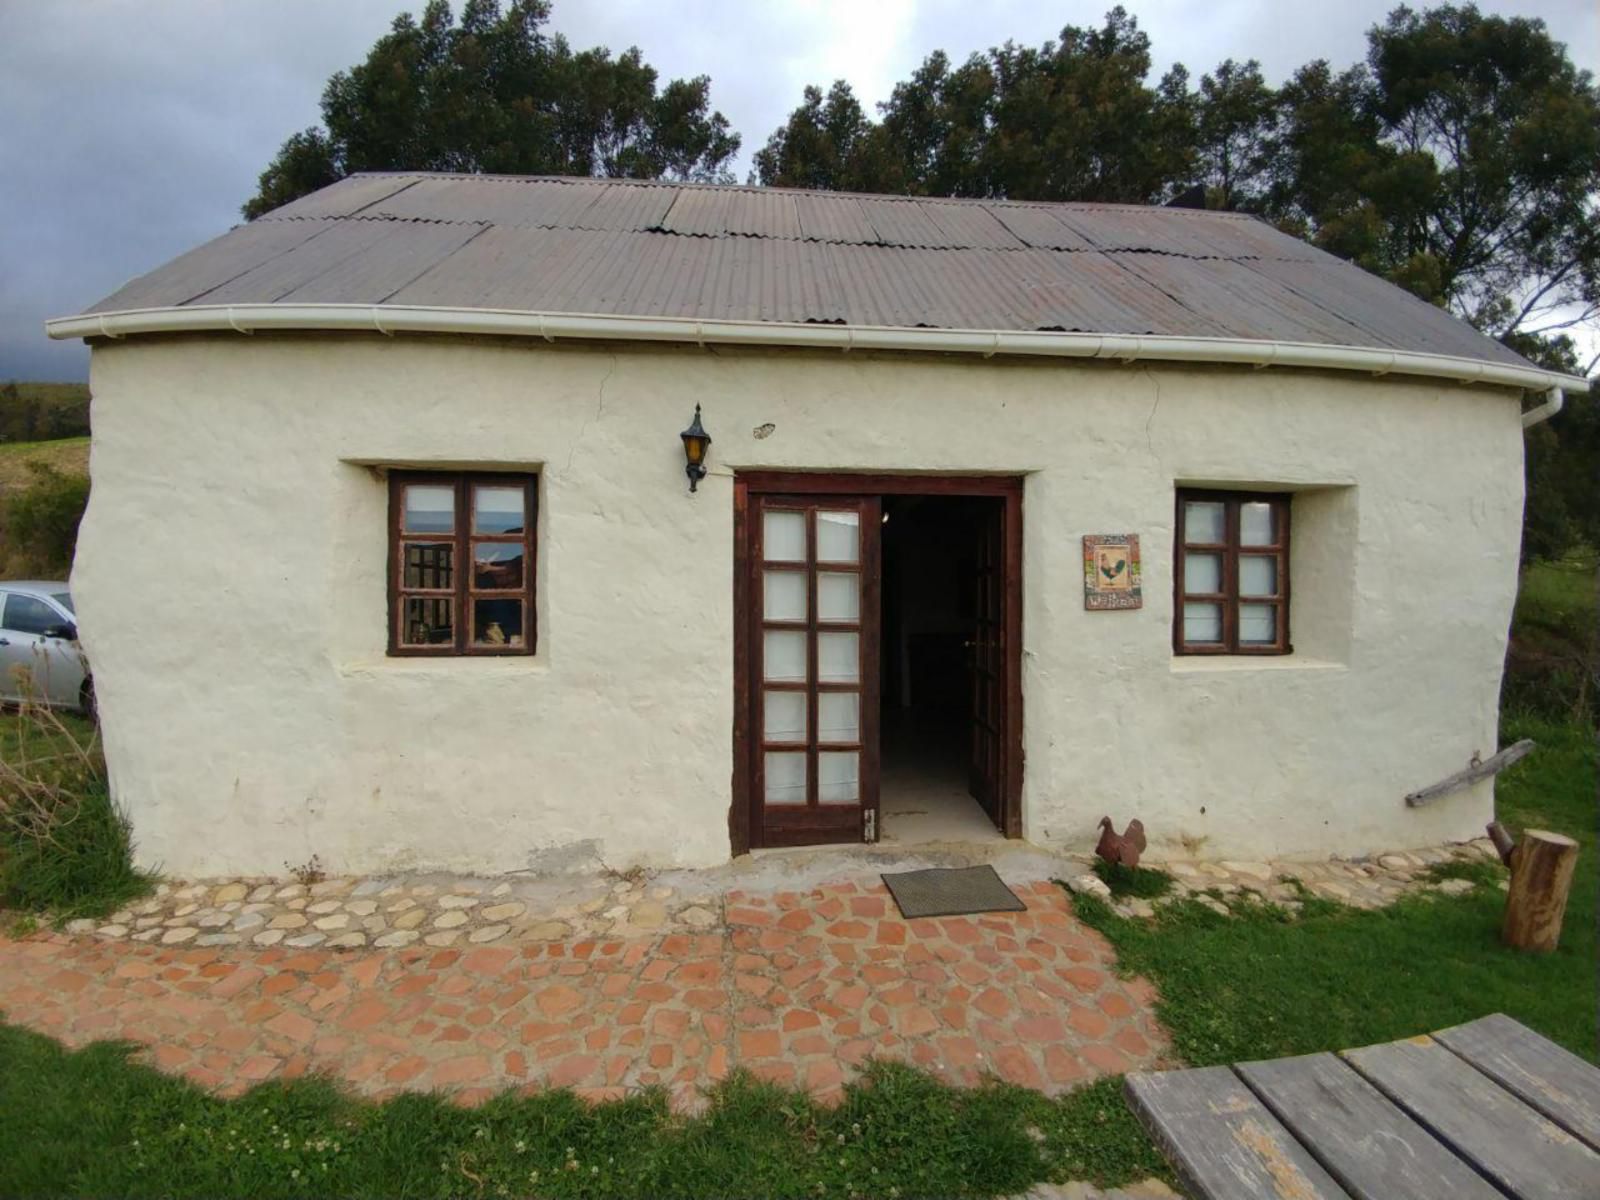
797,986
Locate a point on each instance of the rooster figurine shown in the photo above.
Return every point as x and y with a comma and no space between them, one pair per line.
1123,848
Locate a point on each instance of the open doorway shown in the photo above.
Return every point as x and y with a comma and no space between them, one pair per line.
932,692
877,658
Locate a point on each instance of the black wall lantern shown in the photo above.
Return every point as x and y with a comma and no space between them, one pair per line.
695,442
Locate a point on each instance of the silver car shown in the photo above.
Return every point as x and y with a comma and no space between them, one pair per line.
39,654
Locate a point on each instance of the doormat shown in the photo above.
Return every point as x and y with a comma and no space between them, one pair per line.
951,892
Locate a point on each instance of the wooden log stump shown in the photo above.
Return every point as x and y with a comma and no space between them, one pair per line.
1541,875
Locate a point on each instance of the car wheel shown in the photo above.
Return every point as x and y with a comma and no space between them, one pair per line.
86,704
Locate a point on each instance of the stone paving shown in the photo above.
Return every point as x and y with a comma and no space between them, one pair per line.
391,913
1361,883
800,986
443,911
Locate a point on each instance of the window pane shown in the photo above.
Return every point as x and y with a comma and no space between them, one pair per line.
839,778
1202,574
427,621
28,614
838,657
785,596
1258,624
497,622
1202,622
65,600
783,536
497,510
784,657
497,565
838,536
1258,575
839,716
1256,524
785,717
1203,522
786,777
429,508
428,565
838,596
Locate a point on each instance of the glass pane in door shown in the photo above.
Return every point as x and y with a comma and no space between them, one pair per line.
838,596
784,596
783,536
838,777
838,657
786,777
838,536
784,656
839,717
785,717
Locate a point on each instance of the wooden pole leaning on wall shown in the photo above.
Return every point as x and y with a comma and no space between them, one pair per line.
1541,865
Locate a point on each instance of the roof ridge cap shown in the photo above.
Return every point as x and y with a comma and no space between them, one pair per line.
820,193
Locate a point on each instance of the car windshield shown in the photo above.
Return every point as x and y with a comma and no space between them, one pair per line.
65,600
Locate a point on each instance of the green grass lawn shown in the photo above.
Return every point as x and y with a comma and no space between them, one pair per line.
93,1124
1256,986
1559,595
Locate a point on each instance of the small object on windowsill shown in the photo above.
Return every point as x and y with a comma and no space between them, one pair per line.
1121,848
494,635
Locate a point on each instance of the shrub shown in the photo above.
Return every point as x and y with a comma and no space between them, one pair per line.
41,522
64,847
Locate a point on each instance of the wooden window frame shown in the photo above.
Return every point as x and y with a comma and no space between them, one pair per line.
463,591
1231,551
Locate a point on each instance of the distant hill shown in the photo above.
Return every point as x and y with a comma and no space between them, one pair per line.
35,412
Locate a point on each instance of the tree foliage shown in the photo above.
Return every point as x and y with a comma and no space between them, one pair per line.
493,92
1460,160
31,412
1069,120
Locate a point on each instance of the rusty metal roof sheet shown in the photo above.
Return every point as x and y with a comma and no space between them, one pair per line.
652,249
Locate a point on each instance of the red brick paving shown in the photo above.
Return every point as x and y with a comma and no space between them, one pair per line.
800,987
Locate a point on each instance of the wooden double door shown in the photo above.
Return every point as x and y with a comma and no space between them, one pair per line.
808,664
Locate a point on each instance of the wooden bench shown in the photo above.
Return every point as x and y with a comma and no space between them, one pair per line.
1483,1111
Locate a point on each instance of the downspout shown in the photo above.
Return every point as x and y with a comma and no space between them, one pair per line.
1553,401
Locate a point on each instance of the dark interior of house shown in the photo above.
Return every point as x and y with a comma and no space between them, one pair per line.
930,548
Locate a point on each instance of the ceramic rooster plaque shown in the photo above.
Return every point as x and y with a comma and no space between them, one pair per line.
1111,571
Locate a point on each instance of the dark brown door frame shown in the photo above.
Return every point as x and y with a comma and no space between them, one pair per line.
742,815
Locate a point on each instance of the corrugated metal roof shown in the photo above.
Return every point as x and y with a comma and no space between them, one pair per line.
656,249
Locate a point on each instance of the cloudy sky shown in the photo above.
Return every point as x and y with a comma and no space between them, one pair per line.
132,130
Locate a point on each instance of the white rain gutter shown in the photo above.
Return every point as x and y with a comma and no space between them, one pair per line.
391,319
1553,401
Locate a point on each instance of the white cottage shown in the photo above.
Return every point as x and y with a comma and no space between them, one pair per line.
392,558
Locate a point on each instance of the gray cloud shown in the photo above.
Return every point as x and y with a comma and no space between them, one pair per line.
132,130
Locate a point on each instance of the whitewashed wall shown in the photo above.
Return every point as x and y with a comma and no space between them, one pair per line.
230,579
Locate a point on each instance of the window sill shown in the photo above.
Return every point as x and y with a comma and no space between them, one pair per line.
1207,664
479,666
